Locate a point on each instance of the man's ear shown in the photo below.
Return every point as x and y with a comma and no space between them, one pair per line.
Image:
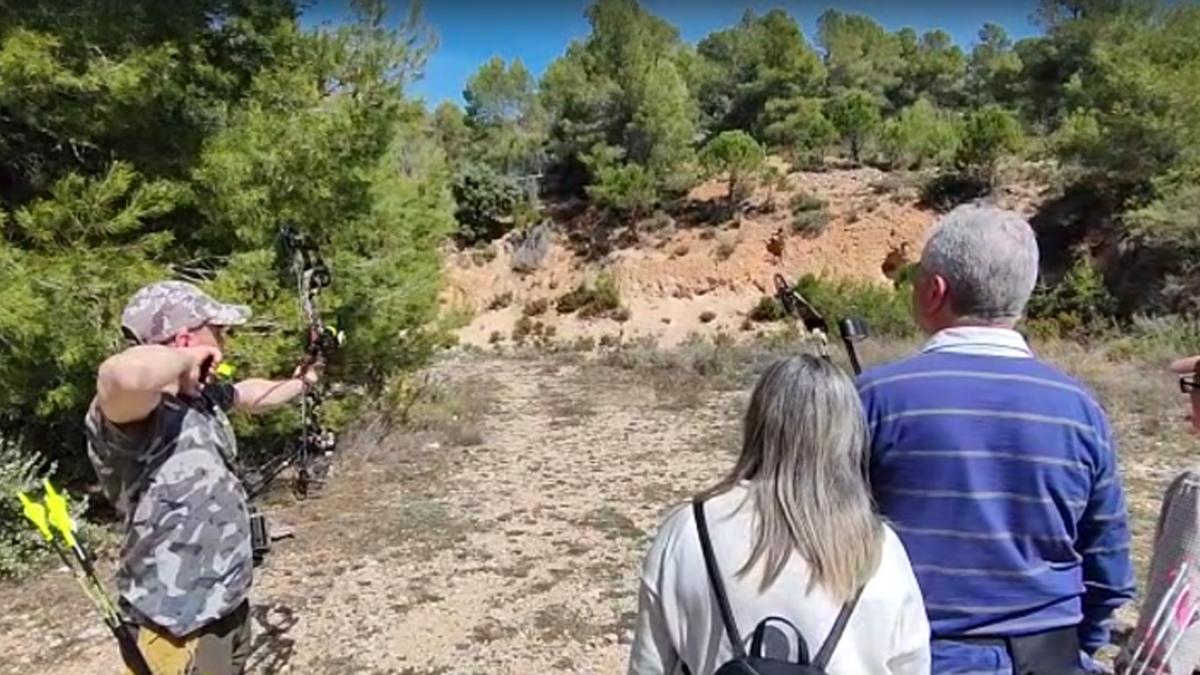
183,339
939,292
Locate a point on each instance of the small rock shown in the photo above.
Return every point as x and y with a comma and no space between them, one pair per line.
281,531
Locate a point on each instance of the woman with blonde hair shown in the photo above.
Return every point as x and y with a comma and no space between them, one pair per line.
795,550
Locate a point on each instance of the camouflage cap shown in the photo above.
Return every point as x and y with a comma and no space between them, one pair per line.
159,311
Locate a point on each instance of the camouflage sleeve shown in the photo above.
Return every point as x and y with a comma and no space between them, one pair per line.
222,395
127,438
113,449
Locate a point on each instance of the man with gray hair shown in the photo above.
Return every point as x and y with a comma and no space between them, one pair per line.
998,472
163,449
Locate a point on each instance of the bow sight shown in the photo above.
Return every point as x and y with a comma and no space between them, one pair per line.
852,329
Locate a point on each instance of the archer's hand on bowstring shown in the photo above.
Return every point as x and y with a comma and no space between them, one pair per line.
130,385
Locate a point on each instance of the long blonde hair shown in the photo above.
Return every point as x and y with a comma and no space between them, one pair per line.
804,454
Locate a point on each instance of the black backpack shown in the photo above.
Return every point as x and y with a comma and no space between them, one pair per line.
755,663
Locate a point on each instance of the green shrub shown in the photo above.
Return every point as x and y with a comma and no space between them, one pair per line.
1156,339
482,253
767,309
573,300
805,201
886,310
500,301
624,188
1079,304
536,307
799,126
485,203
20,547
590,301
921,135
523,328
811,223
584,343
809,215
944,191
988,134
737,156
628,189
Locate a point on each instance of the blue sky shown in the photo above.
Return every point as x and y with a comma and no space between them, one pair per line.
471,31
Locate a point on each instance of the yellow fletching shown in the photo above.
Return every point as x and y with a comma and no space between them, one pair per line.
36,513
225,369
60,517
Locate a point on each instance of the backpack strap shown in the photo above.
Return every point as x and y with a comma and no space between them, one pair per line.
835,633
714,579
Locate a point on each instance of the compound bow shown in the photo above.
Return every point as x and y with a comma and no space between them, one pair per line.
312,450
795,305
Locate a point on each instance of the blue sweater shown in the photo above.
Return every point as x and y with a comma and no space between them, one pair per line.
1000,476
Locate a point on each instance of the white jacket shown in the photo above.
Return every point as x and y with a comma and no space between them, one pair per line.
679,621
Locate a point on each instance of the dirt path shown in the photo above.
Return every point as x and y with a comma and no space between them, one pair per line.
507,547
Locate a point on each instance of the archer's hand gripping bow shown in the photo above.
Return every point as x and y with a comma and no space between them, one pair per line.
852,329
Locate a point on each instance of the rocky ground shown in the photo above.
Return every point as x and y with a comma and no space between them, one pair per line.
501,529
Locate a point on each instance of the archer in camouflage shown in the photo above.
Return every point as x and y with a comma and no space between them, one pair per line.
160,440
186,557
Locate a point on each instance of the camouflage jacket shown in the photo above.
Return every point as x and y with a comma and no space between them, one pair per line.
185,557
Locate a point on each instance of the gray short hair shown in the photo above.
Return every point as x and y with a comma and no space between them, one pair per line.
989,259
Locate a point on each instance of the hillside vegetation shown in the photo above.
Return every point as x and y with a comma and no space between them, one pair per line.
632,116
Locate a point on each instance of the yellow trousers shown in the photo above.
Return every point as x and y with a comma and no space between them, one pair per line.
220,648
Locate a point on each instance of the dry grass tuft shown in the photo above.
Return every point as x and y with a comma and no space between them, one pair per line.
559,622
